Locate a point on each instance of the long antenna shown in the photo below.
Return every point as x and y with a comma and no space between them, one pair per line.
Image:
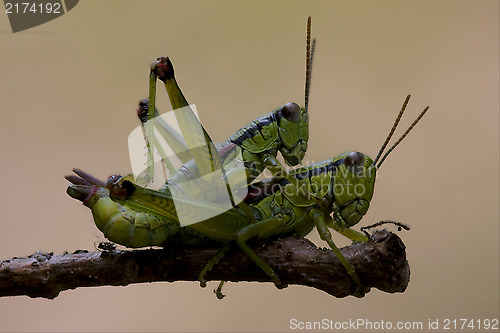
403,136
311,67
309,59
393,129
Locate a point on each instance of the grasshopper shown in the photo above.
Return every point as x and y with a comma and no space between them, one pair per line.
290,202
343,186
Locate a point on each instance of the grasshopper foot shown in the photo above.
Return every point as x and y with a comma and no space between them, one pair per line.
218,291
163,68
360,291
279,284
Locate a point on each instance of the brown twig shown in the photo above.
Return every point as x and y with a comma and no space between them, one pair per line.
381,263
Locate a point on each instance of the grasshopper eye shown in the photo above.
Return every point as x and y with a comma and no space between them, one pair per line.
354,161
112,179
291,112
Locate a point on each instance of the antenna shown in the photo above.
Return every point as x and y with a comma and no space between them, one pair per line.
309,60
393,129
403,136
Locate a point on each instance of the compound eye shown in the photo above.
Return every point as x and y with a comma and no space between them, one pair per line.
353,160
112,179
291,112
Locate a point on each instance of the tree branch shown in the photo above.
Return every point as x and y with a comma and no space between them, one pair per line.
381,263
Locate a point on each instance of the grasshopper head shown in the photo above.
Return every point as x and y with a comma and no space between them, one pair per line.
293,130
353,185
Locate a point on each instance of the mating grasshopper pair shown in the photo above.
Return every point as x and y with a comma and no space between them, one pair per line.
335,193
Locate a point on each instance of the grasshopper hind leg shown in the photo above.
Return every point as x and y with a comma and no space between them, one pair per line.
256,230
211,263
260,230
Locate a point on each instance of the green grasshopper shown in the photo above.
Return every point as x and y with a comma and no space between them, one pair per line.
343,186
294,202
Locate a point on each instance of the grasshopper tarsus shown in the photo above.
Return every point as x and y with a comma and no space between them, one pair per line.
360,291
218,291
143,110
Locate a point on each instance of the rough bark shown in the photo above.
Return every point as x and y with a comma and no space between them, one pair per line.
381,263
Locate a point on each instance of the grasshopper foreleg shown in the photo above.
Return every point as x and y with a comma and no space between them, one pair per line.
339,225
321,225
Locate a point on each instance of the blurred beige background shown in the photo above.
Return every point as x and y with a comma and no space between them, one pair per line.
69,90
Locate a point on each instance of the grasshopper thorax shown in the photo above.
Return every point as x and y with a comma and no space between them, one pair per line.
353,184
